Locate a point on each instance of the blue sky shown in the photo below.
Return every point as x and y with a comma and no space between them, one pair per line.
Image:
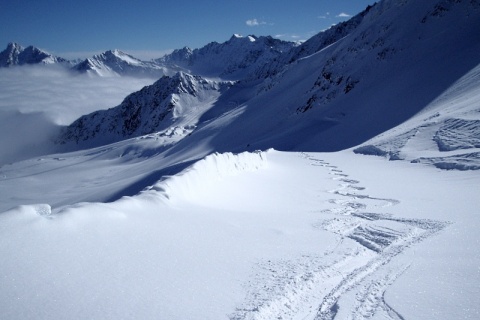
148,29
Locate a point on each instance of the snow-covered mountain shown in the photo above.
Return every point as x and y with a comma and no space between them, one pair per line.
173,102
15,54
232,60
117,63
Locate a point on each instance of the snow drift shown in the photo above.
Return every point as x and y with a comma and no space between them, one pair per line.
196,179
140,229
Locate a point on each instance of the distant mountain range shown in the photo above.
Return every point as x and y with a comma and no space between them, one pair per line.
231,60
15,54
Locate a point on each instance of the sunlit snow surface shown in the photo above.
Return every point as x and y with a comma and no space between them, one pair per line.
250,236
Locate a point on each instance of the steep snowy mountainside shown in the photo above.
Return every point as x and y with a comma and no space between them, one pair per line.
116,62
15,54
170,106
231,60
389,68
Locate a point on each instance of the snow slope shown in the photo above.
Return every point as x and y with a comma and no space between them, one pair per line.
378,76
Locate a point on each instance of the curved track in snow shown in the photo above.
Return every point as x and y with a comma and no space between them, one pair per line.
387,236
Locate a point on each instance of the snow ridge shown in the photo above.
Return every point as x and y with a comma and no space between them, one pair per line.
205,172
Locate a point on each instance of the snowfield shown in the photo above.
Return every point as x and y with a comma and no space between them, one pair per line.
254,236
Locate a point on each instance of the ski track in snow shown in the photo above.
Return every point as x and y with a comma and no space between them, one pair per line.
350,280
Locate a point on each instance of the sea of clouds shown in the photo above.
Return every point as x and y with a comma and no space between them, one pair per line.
35,101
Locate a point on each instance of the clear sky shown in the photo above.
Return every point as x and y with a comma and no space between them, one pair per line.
147,29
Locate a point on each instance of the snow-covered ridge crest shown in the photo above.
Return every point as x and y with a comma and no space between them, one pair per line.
188,185
196,179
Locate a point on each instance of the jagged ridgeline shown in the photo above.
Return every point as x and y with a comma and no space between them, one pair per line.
15,54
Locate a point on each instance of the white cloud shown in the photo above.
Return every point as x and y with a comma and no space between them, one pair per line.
76,54
61,94
325,16
254,22
292,37
35,100
343,15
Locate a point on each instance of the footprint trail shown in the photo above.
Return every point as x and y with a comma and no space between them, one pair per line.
350,281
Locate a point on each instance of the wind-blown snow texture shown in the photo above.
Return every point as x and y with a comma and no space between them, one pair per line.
163,208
